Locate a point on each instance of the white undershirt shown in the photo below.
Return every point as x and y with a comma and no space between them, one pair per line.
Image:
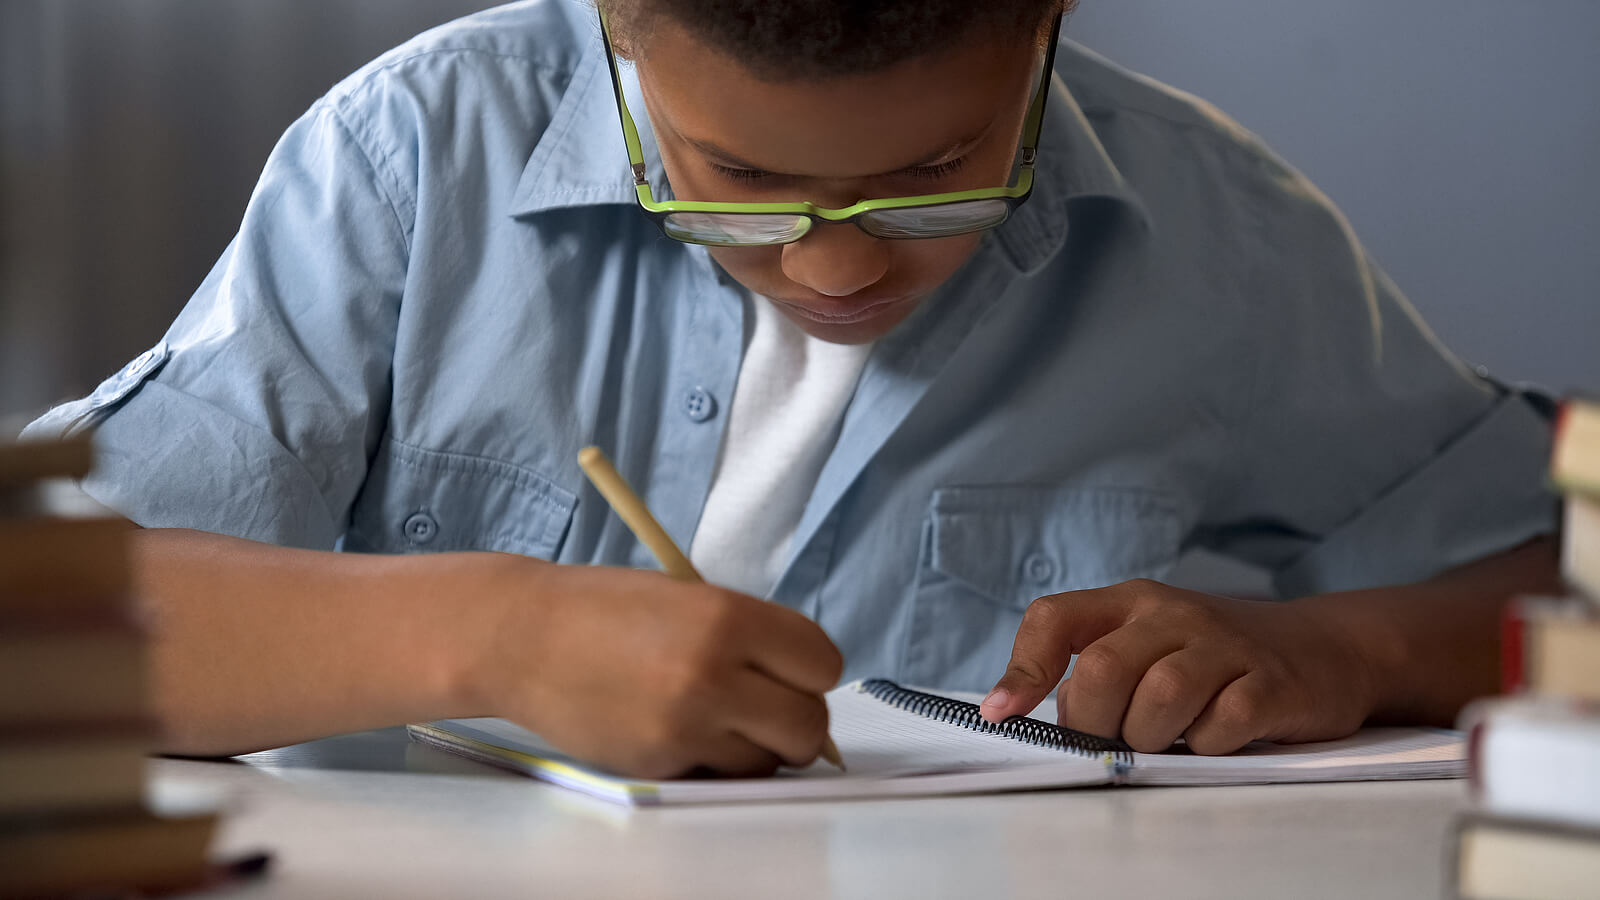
785,416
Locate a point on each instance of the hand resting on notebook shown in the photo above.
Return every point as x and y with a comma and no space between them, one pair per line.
1157,662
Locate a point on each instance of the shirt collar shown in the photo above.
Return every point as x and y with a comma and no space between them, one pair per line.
581,161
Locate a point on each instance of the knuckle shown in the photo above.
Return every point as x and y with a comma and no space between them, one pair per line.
1099,664
1142,590
1164,687
723,614
1045,611
1240,710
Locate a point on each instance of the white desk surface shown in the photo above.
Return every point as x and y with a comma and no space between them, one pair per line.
372,815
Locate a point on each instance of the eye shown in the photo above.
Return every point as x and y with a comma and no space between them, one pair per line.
935,172
737,174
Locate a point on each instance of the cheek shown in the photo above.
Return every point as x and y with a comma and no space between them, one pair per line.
751,266
927,264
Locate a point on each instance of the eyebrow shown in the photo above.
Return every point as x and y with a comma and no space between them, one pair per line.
953,150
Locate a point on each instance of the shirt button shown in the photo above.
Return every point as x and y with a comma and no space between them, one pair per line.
421,528
1039,568
699,405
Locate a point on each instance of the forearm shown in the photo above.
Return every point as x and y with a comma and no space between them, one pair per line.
1431,647
255,646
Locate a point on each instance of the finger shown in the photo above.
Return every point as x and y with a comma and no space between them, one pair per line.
1095,699
790,647
787,722
1238,714
735,756
1171,696
1053,628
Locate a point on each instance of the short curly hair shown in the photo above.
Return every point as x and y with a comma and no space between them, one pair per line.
781,40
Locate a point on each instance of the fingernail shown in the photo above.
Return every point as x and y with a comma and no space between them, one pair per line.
999,697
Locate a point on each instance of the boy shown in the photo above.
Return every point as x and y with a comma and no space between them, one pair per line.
902,423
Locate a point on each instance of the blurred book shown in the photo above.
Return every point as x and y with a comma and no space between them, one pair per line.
1511,859
57,676
1536,758
1575,470
1552,647
66,568
1575,457
1534,755
44,774
103,856
75,725
1580,544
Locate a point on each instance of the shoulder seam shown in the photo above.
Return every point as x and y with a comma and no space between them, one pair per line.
367,77
392,191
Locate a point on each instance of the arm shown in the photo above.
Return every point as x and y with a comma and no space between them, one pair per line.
1157,663
257,646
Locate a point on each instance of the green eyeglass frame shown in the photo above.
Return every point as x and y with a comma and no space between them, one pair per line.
894,218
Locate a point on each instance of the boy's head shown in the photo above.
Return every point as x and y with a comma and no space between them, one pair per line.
833,102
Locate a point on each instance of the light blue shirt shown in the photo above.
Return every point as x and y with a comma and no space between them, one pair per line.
442,289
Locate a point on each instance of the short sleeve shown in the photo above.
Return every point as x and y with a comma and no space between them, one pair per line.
1366,454
257,413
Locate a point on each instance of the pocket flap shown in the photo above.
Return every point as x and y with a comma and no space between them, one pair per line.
420,500
1015,543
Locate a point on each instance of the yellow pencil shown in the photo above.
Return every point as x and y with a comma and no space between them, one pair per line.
644,526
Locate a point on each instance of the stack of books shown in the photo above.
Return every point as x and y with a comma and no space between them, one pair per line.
74,721
1535,753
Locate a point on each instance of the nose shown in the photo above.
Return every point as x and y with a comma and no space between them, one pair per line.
836,260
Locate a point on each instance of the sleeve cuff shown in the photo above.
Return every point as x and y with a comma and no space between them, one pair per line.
166,459
1484,493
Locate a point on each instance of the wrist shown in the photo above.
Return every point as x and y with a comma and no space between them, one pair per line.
1372,653
496,603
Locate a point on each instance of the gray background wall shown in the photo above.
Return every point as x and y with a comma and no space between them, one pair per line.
1461,138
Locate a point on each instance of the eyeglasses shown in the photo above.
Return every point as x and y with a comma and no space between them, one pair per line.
893,218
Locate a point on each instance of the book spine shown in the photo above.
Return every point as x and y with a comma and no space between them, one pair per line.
1513,646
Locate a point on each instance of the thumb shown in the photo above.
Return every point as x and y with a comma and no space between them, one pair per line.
1053,628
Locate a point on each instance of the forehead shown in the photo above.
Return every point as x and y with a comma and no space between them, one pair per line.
838,127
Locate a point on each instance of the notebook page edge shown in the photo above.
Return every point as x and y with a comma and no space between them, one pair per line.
1371,754
462,740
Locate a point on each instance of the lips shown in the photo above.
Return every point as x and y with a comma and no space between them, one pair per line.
845,313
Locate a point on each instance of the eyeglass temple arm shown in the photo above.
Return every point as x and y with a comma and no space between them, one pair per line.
630,134
1035,121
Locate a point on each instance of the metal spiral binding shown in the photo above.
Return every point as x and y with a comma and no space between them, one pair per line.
1019,728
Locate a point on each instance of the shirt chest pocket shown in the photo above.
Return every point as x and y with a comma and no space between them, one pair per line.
988,552
418,500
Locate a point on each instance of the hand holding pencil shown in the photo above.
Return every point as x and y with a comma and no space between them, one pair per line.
633,512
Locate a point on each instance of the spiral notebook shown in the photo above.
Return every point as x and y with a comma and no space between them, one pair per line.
903,742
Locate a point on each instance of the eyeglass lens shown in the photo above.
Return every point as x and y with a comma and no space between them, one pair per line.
941,220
